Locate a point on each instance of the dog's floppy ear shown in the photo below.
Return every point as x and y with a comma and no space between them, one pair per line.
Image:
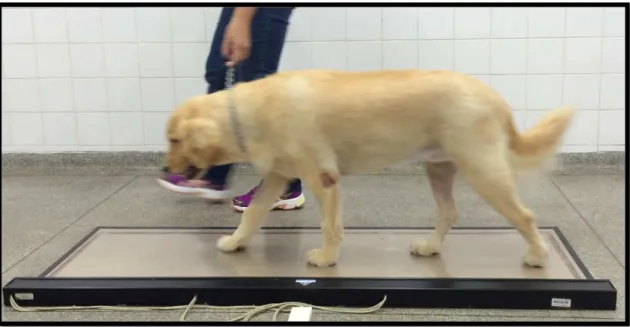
201,135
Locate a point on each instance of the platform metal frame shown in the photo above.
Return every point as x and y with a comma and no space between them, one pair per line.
517,293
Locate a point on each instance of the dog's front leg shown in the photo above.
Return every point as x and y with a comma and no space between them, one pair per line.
326,189
271,188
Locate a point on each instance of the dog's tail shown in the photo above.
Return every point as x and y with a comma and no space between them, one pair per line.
530,149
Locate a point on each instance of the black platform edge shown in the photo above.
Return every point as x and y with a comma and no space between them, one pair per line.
349,292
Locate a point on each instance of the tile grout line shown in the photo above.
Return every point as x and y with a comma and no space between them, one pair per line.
196,76
307,41
73,80
141,111
527,65
453,26
599,238
107,100
88,211
601,79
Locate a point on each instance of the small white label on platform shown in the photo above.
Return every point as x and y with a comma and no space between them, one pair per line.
305,282
300,314
24,296
560,303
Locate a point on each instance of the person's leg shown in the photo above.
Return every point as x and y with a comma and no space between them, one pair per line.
269,28
212,186
215,77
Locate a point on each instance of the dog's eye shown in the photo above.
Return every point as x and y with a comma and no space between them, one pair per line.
174,141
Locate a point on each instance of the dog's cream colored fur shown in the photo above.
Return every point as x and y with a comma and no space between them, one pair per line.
319,125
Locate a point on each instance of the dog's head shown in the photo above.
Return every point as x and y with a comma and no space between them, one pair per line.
194,139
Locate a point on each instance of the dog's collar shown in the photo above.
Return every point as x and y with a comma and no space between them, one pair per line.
236,126
232,110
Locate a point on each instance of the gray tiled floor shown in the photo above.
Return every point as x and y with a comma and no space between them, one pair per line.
600,201
42,216
34,209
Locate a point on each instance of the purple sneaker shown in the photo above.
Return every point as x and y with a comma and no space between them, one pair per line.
288,201
201,188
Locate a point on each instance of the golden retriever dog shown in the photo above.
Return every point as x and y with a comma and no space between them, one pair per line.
319,125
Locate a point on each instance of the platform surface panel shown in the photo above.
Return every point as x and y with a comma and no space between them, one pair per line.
366,253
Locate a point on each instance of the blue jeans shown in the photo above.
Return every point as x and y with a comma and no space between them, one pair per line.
268,31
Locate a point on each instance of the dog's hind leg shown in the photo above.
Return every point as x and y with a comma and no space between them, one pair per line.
441,177
255,214
485,166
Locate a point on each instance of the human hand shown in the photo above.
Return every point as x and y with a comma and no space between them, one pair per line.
236,41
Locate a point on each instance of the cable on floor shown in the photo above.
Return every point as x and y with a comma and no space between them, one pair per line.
254,310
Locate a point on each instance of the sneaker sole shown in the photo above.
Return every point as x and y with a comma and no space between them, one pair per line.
203,193
291,204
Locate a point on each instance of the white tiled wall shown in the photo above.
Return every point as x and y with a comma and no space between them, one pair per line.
105,79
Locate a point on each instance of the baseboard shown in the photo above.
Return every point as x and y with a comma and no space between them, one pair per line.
151,162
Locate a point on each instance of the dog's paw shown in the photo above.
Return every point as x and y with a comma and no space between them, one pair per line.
536,257
321,258
427,247
229,244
